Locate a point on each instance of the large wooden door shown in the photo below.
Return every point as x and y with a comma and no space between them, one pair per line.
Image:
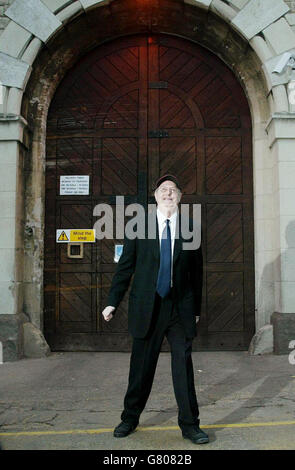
128,112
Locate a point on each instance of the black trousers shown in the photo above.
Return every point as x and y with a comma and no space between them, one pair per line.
143,362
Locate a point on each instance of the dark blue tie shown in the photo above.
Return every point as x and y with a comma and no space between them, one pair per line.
164,276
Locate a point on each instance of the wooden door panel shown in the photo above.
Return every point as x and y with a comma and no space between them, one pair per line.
213,171
74,297
224,233
129,111
119,166
225,302
76,304
123,114
173,112
224,165
178,156
74,157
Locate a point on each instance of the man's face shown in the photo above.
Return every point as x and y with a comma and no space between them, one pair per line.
167,196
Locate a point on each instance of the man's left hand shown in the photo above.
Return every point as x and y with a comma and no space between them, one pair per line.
197,319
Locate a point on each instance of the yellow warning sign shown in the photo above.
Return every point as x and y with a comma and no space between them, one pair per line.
63,237
75,235
86,236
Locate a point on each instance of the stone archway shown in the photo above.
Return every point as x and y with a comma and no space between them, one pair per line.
77,28
127,112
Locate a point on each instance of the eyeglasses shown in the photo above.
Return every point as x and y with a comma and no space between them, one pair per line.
166,190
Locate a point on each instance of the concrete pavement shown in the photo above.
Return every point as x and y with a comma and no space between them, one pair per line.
74,400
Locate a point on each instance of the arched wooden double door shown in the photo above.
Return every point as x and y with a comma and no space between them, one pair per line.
131,110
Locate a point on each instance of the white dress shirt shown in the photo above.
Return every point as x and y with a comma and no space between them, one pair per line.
172,224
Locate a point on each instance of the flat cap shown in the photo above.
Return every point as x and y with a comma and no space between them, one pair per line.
167,178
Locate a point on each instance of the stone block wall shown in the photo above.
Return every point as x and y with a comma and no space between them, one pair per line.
4,4
291,4
268,26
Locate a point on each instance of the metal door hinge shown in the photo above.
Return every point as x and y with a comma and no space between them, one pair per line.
158,134
158,85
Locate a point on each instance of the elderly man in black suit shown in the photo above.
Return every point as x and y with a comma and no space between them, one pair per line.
165,299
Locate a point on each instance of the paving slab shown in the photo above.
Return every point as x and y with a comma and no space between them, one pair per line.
74,400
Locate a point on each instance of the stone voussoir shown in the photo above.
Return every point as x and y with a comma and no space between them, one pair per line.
35,17
70,11
239,4
91,3
56,5
32,51
223,10
261,48
21,38
257,15
13,72
205,4
280,36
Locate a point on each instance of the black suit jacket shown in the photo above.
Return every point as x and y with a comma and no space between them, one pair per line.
141,258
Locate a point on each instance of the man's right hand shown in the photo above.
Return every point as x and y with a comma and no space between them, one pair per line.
107,313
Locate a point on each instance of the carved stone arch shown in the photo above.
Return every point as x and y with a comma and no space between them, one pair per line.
42,62
63,51
41,21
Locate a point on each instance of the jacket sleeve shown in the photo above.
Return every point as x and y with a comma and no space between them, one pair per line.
197,277
124,270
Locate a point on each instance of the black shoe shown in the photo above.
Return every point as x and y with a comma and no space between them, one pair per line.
124,429
195,434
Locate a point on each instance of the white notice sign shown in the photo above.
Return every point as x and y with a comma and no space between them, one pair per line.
74,184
